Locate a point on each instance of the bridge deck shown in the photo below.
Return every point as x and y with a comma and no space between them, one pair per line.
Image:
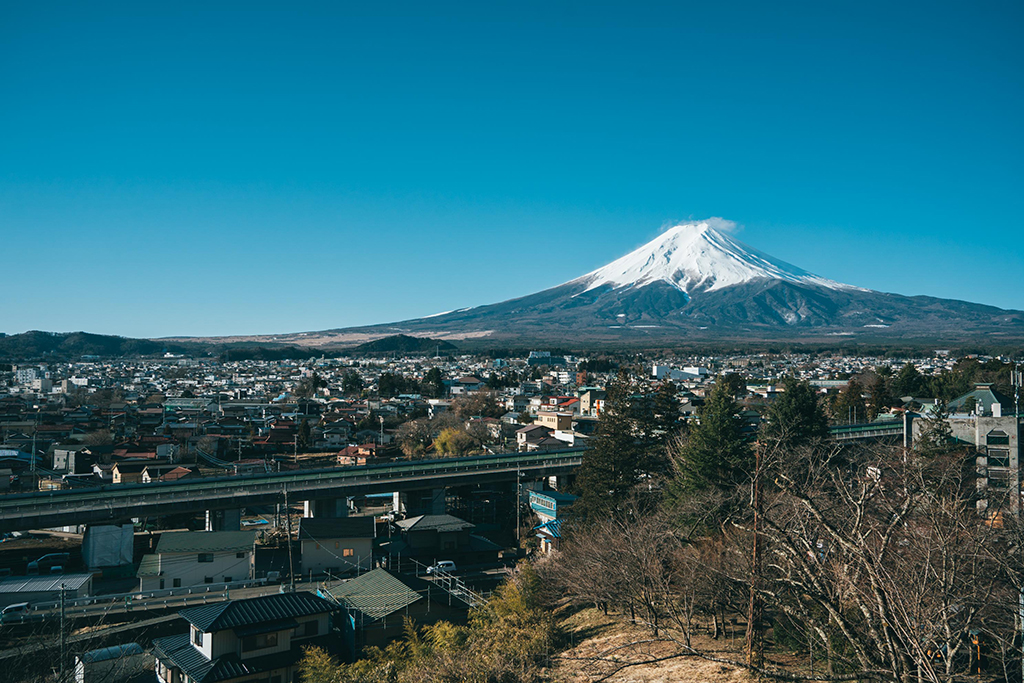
117,502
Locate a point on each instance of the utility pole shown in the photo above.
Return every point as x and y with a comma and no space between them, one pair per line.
519,504
63,637
32,459
754,644
288,524
1016,388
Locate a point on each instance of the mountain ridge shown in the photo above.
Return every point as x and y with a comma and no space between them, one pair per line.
697,282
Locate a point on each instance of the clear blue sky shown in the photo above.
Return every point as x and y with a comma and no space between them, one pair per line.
168,168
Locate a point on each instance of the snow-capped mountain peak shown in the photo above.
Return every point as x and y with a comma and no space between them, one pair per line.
698,255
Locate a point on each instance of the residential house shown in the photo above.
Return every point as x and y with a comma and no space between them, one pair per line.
195,558
439,537
467,385
379,602
335,435
259,639
554,420
166,473
436,406
547,504
336,546
549,534
66,458
130,471
531,434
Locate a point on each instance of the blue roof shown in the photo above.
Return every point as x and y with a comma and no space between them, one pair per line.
552,528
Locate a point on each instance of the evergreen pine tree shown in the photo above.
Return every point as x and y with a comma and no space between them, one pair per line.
629,446
882,396
908,381
795,418
849,407
716,453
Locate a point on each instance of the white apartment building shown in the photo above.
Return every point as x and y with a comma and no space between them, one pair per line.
195,558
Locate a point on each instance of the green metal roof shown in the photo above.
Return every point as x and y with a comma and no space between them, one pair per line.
984,397
376,594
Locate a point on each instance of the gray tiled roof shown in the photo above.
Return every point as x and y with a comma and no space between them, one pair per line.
206,541
235,613
434,523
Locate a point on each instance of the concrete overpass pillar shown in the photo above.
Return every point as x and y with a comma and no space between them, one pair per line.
331,508
561,482
438,501
400,501
527,486
223,520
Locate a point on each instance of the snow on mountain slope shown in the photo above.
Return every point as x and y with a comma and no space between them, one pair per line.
698,256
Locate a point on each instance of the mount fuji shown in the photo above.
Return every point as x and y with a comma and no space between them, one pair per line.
696,282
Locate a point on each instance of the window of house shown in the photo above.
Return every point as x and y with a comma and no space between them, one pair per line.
240,556
161,584
177,583
206,557
998,438
312,628
207,579
227,579
264,640
998,480
998,457
197,636
348,552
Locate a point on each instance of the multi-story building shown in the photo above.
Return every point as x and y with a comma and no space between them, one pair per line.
984,419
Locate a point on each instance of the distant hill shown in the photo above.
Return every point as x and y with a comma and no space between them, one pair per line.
403,343
36,344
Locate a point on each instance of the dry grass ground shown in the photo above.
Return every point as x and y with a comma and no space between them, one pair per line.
598,637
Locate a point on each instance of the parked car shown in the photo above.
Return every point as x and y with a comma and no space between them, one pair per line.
445,566
47,562
17,609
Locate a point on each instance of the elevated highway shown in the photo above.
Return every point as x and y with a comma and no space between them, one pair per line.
870,430
116,503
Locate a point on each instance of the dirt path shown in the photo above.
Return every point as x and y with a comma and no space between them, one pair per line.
613,638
